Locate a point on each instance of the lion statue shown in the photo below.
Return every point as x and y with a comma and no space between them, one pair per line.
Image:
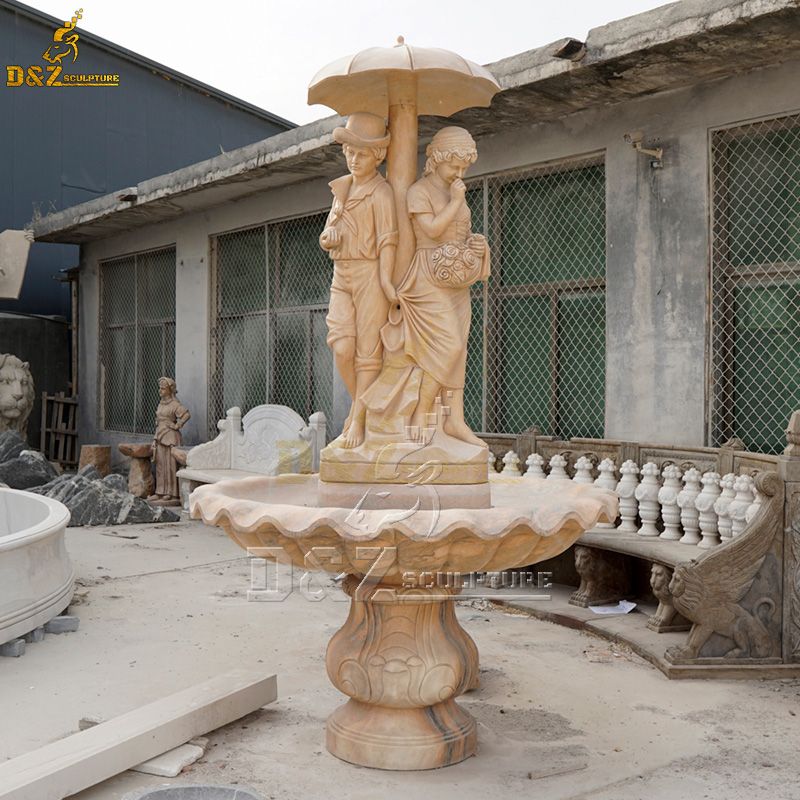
16,394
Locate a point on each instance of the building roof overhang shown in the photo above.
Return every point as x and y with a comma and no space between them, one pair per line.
671,47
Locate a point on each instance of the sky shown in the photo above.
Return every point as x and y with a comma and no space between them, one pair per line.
267,53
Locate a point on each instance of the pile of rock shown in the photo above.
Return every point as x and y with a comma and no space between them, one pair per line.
22,468
92,500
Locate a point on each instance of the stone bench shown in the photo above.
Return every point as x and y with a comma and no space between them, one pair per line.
268,440
708,539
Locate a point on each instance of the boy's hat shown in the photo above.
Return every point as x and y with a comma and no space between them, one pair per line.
363,130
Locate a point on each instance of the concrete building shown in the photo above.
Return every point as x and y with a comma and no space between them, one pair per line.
66,145
641,195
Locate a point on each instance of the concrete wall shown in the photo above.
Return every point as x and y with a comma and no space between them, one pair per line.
657,251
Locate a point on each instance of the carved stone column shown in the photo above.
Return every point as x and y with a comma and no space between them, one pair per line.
668,498
647,495
626,491
534,472
607,480
402,658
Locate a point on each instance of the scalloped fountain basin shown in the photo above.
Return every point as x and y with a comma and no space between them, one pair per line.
529,521
401,656
36,577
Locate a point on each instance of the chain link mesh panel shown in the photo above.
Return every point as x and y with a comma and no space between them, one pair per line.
537,343
755,320
271,286
238,346
300,280
137,337
536,352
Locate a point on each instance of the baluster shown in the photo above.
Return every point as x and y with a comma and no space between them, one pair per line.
583,470
705,506
668,497
534,471
491,461
511,465
743,486
754,507
722,505
626,491
606,480
647,495
557,468
690,517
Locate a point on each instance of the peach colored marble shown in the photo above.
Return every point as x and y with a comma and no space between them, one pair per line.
527,522
401,656
404,257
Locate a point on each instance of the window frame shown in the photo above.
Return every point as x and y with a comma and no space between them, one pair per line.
136,326
725,278
269,313
494,293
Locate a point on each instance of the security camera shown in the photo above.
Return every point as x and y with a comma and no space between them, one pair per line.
635,139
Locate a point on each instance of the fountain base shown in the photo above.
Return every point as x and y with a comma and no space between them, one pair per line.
402,658
401,738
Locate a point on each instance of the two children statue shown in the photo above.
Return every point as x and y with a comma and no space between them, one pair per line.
392,343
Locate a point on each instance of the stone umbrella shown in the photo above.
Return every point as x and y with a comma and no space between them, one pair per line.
400,83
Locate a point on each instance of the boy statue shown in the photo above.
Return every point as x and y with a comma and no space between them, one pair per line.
361,237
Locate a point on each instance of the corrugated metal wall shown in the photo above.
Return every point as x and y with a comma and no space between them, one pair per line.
60,146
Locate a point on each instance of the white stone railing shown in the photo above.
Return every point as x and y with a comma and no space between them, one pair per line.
695,509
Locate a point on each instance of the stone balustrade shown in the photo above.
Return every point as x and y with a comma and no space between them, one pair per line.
699,509
710,534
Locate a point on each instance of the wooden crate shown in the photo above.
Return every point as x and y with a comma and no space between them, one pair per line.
59,432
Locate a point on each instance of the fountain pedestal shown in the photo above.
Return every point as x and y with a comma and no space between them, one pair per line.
402,658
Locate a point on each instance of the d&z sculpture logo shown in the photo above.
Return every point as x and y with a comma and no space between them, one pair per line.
63,48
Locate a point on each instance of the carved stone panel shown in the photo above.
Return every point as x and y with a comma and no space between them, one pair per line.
731,594
792,584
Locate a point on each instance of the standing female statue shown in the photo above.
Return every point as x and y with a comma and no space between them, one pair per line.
435,294
171,416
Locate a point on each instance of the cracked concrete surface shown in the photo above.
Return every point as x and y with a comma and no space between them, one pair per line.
562,715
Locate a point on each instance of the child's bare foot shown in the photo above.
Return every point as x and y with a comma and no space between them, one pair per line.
354,435
416,425
460,430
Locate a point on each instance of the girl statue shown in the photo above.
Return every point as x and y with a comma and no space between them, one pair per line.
435,295
171,416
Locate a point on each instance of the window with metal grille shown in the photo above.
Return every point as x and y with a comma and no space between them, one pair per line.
270,288
301,274
537,344
755,280
137,338
536,354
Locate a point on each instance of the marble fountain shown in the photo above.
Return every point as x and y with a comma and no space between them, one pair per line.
36,577
402,503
